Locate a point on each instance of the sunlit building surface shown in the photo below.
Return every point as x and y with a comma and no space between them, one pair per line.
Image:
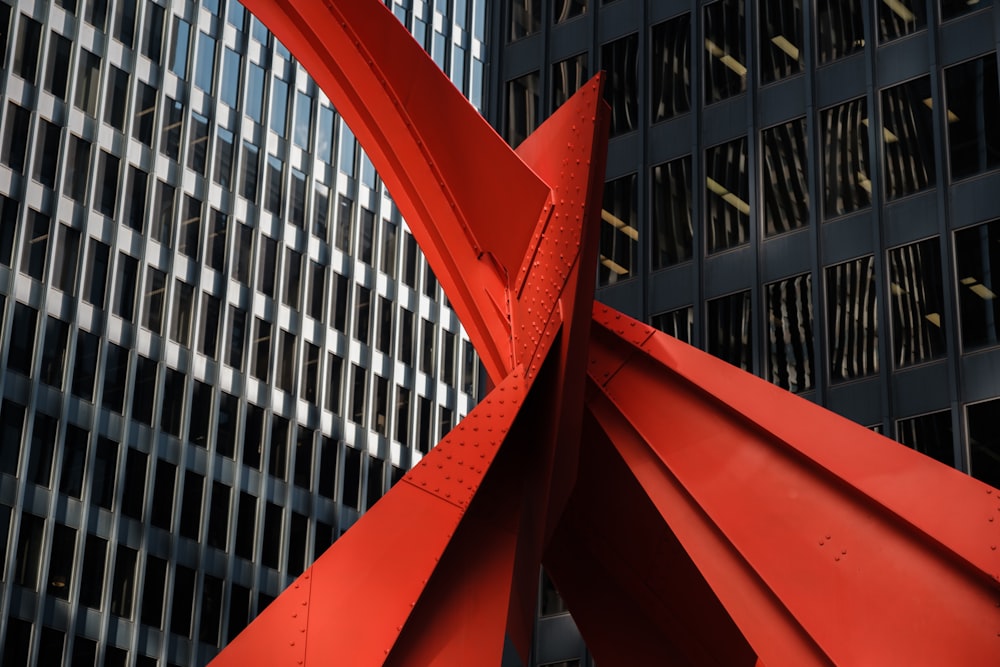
219,342
808,190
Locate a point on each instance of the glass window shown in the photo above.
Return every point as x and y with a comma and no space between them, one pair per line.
107,178
929,434
85,365
215,242
274,201
115,376
144,114
18,642
621,89
262,350
96,13
366,242
11,427
425,425
211,610
525,18
73,463
271,543
317,291
383,336
204,74
303,121
144,390
730,330
847,186
54,352
198,147
567,77
134,487
277,460
8,226
727,197
973,106
208,332
254,100
619,236
125,22
523,107
246,522
345,223
182,313
229,415
239,600
908,138
173,128
190,231
34,254
563,10
232,66
916,302
29,38
984,441
279,106
292,286
243,254
310,374
790,333
179,47
116,98
50,646
341,294
67,250
671,68
786,183
57,67
388,263
852,319
152,38
297,210
155,292
43,444
135,198
334,373
672,228
952,8
224,157
88,82
978,265
190,523
352,477
15,138
20,356
286,362
95,556
153,584
59,580
182,604
28,555
781,39
376,474
427,351
123,582
163,214
841,29
725,50
237,333
897,18
218,516
162,507
47,159
677,323
380,415
357,394
102,478
402,414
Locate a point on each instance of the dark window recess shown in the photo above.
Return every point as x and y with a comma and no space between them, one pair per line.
298,535
358,388
144,105
208,333
95,557
310,374
727,196
329,455
270,552
123,582
977,254
551,602
335,373
18,642
376,473
952,8
390,230
229,414
74,460
425,425
781,39
215,250
237,332
277,463
253,436
218,516
524,102
115,376
20,355
847,182
352,477
50,645
362,317
29,39
246,526
366,240
262,350
725,50
403,415
345,223
163,214
54,352
670,64
8,227
729,330
619,235
162,510
620,59
182,607
984,441
34,256
211,610
851,319
107,178
194,488
916,302
239,608
840,29
144,392
59,580
672,224
303,458
340,297
902,17
47,153
84,651
28,555
790,362
525,18
973,105
201,414
677,323
135,199
410,254
67,256
127,282
786,177
929,434
43,445
324,538
15,137
380,415
57,69
293,278
134,491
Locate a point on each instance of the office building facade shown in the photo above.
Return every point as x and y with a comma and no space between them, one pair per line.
219,342
804,189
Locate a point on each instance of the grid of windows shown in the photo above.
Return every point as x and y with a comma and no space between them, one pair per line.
805,189
193,252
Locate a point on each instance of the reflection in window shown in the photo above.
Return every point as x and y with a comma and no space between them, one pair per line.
790,333
672,229
785,177
952,8
844,139
525,18
908,136
929,434
567,77
671,68
725,50
563,10
727,208
523,107
901,17
841,29
619,231
973,111
677,323
730,330
620,60
916,302
851,319
781,39
977,251
984,441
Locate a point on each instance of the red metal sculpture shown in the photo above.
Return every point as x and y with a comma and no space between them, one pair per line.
689,513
